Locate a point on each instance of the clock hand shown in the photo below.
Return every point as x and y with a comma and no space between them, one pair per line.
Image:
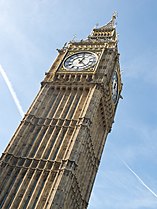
81,59
81,62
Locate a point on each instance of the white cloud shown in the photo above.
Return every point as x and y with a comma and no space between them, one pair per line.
122,191
12,92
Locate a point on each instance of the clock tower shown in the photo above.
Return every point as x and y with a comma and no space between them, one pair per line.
53,157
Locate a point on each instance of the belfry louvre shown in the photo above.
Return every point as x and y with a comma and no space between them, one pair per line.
53,157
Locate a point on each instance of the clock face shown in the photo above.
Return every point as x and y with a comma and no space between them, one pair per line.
80,61
115,87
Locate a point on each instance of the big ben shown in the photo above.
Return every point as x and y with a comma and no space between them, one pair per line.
53,157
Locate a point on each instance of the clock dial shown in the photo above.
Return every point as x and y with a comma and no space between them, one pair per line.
115,87
80,61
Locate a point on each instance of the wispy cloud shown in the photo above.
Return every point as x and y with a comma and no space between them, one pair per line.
139,179
118,190
12,92
142,66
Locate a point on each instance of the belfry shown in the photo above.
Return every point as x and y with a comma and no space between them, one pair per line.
53,157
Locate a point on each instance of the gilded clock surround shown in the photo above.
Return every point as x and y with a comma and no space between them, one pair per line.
52,159
91,69
80,61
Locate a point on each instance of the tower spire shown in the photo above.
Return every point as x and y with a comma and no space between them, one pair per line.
105,33
111,23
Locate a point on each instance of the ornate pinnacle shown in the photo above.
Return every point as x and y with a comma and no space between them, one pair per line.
114,16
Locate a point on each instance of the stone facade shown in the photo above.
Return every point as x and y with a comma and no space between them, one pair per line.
52,159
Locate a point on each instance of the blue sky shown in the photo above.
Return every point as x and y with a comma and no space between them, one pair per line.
30,32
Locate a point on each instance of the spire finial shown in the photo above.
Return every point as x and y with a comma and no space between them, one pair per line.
114,16
97,24
74,37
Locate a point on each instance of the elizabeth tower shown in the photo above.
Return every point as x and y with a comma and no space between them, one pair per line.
53,157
